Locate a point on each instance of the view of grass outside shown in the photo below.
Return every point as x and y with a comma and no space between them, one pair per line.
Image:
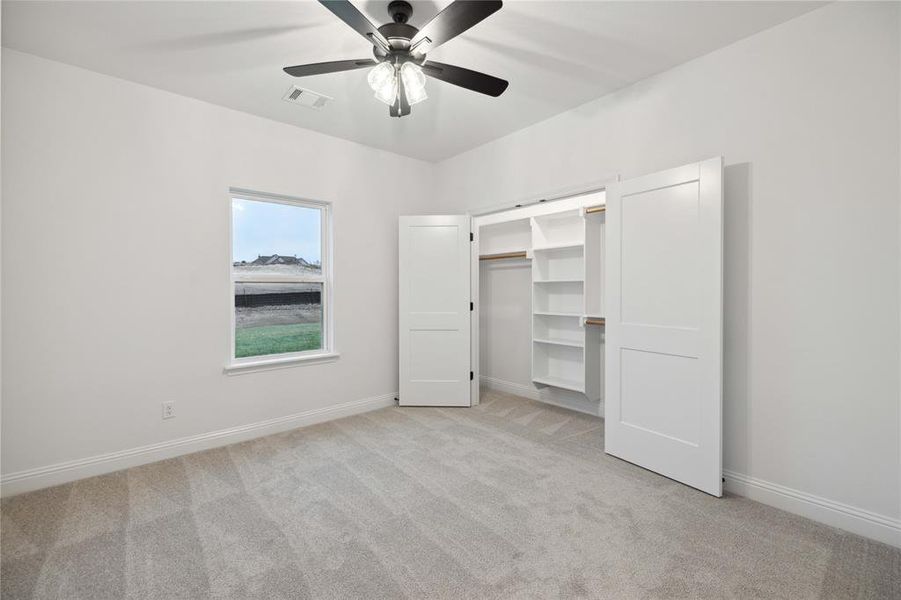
276,241
277,339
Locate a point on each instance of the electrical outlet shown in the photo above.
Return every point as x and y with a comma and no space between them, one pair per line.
169,409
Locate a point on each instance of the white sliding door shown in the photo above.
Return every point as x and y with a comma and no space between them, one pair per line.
664,299
434,270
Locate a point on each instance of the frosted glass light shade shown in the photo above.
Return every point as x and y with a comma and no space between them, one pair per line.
383,81
414,82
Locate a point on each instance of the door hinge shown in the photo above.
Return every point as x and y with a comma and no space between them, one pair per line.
470,375
472,237
471,307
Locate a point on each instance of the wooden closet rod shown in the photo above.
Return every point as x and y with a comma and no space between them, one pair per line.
595,209
503,255
595,321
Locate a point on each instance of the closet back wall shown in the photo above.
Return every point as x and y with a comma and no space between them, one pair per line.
115,263
806,115
505,339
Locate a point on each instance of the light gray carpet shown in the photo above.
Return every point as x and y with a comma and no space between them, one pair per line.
513,499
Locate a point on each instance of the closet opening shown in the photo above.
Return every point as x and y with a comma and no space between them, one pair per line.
538,283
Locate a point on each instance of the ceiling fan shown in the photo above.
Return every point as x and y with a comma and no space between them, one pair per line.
400,65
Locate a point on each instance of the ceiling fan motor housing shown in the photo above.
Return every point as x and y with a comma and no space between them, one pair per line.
399,33
398,36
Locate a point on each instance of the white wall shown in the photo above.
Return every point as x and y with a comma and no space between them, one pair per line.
807,117
115,263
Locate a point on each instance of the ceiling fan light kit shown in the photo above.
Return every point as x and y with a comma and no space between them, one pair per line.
414,82
386,78
400,67
383,81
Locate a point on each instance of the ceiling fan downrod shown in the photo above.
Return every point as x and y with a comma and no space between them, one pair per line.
400,11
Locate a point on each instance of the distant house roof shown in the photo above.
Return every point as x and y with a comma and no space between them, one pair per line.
278,259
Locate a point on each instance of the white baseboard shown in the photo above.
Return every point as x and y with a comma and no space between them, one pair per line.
526,391
570,400
842,516
41,477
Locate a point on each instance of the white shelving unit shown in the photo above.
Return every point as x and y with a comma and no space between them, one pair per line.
558,300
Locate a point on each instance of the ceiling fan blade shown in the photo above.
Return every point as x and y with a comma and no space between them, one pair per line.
471,80
348,13
334,66
452,21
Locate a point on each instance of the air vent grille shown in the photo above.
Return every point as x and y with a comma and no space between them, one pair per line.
307,98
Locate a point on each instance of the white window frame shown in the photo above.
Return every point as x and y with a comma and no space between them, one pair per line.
270,361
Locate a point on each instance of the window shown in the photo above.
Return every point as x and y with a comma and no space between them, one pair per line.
280,272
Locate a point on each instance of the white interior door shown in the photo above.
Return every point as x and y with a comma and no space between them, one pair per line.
663,406
434,311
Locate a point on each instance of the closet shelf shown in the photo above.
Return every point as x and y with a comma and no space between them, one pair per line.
575,386
504,255
552,247
542,313
558,281
559,343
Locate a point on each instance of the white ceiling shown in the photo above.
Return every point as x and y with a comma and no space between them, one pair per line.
556,55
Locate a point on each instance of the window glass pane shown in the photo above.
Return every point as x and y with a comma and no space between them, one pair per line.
276,318
276,239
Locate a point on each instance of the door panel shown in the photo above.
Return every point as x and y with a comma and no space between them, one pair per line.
665,404
663,399
434,296
660,256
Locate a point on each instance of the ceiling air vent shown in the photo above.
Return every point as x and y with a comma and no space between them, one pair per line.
308,98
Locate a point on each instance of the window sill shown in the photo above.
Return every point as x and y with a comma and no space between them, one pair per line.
279,363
